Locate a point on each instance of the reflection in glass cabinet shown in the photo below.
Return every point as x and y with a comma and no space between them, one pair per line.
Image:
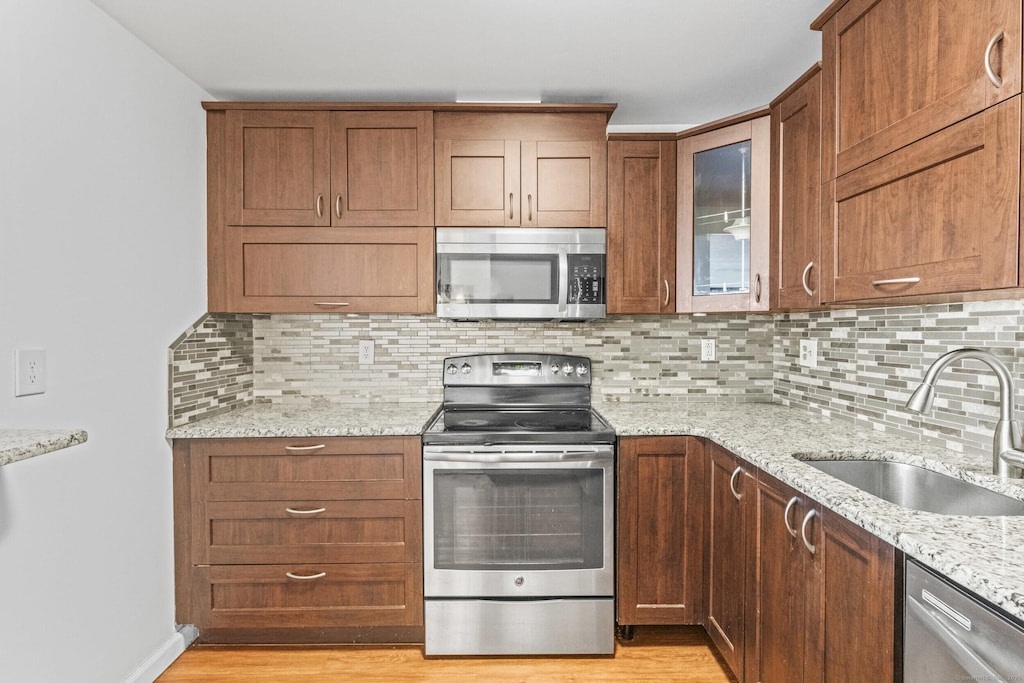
721,220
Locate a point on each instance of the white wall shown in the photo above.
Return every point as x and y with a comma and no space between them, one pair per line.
102,234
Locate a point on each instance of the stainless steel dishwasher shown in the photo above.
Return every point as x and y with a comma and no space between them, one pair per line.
950,635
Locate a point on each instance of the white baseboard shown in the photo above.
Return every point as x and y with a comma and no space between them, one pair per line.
157,663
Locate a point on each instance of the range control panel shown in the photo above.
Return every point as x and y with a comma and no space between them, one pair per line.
516,369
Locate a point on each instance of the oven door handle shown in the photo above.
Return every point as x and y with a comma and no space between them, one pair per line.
498,457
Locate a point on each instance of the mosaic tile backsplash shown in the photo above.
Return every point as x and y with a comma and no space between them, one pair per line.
869,360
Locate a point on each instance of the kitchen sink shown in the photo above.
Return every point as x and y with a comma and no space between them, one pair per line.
916,488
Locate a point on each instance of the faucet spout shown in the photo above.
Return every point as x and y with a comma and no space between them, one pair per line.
1006,454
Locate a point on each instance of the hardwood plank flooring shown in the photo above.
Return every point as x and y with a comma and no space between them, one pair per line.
656,653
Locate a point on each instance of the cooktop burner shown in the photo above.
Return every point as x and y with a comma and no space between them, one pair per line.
504,426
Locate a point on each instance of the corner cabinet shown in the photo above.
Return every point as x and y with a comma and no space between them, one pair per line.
299,540
641,226
536,170
660,538
722,239
318,210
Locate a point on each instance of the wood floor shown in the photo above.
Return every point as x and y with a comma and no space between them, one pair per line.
657,653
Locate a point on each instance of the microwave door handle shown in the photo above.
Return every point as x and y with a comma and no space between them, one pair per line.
563,280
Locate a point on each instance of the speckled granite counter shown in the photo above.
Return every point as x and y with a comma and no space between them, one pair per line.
372,419
985,554
21,444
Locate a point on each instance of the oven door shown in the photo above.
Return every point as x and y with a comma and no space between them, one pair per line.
518,522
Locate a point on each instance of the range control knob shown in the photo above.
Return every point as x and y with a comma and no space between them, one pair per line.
466,368
555,369
451,369
519,581
582,369
567,369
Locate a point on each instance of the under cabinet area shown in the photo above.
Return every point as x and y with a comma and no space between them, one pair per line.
299,540
641,226
521,170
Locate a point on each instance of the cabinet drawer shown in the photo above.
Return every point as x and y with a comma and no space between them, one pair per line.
289,469
940,215
340,596
310,531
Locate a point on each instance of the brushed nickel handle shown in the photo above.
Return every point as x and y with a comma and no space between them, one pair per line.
319,206
337,206
897,281
993,77
732,484
757,288
803,531
785,515
666,291
308,577
529,207
314,511
306,448
803,279
330,303
510,206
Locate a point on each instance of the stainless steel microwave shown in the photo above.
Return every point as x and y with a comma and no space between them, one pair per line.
520,273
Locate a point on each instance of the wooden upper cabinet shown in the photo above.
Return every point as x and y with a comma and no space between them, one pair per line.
319,168
902,69
520,170
641,226
796,194
278,168
940,215
382,168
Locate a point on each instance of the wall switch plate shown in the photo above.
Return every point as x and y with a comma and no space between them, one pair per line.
366,352
809,353
707,349
29,372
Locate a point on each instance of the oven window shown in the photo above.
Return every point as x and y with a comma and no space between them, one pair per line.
498,278
529,519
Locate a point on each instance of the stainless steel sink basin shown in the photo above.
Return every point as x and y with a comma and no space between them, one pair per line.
916,488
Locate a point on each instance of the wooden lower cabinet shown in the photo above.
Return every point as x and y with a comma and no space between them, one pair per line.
660,518
299,540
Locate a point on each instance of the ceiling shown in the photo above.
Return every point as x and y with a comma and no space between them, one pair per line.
667,63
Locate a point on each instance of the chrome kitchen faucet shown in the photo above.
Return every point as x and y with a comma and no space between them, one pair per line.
1007,458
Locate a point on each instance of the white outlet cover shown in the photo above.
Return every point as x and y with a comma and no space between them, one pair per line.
809,353
707,349
366,352
29,372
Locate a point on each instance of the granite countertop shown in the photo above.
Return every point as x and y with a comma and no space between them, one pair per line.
22,444
984,554
264,420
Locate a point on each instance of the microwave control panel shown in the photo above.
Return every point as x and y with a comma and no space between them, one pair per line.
586,279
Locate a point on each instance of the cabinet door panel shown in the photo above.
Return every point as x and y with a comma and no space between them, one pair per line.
477,183
278,168
641,226
382,168
938,216
660,525
564,184
907,68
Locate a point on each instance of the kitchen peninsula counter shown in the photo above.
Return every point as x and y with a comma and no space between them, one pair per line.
984,554
21,444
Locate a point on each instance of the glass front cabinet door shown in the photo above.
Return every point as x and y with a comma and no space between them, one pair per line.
723,222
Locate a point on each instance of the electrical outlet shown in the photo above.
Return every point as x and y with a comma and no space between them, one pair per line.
707,349
809,353
366,352
30,372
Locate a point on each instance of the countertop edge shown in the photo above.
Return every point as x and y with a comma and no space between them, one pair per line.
21,444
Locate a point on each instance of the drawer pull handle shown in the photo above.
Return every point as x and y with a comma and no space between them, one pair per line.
314,511
785,516
310,577
732,484
803,531
306,448
803,279
330,303
993,77
897,281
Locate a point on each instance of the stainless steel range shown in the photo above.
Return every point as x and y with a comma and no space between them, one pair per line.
518,498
